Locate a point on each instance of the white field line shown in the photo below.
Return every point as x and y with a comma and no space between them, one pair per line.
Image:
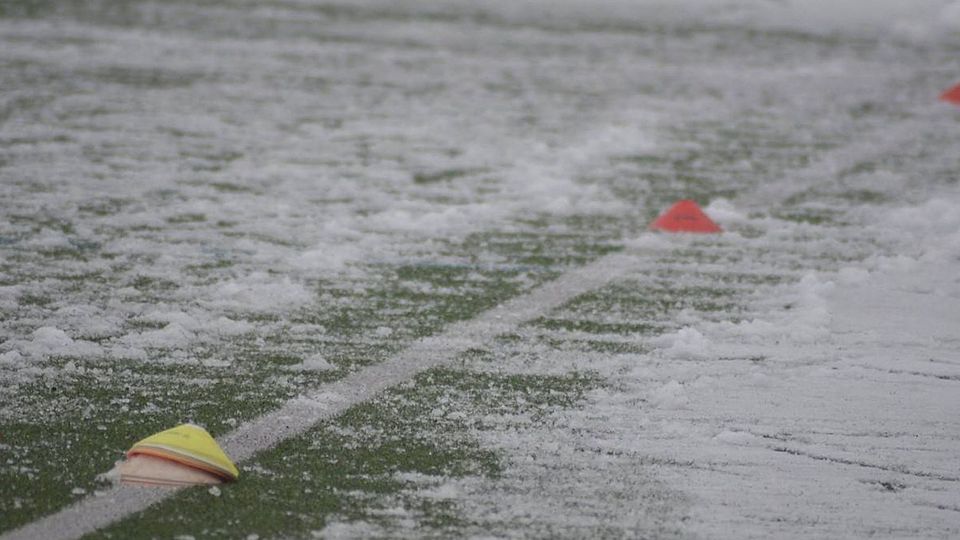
300,414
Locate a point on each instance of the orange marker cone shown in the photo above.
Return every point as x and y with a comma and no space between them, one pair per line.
685,216
952,95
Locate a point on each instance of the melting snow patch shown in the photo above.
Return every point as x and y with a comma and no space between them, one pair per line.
173,317
52,341
228,327
122,351
686,344
650,240
723,212
669,396
172,336
11,358
111,477
259,293
329,257
214,363
950,17
933,219
51,338
353,529
447,490
800,314
812,316
852,276
312,363
735,438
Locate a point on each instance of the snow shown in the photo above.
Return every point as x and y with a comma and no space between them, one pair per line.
687,343
259,293
11,358
50,341
352,529
669,396
724,212
915,21
874,329
791,422
217,208
312,363
170,336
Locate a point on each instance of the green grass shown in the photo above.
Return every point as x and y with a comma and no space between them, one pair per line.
443,175
371,460
111,405
134,398
84,419
70,418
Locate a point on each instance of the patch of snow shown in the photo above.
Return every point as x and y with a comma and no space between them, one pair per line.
852,276
215,363
312,363
111,477
11,358
724,212
335,530
259,292
686,344
48,341
949,17
918,20
650,240
669,396
226,327
51,339
171,336
735,438
444,491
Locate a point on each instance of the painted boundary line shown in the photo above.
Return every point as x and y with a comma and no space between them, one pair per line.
300,414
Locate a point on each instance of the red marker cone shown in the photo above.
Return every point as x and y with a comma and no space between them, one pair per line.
685,216
952,95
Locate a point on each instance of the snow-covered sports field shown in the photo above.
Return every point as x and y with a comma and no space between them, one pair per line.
394,255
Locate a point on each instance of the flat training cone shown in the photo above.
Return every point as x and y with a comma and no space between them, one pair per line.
187,446
153,471
685,216
952,95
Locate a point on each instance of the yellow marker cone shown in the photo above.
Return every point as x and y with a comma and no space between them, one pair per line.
189,445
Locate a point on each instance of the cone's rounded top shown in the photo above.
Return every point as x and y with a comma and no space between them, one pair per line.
190,445
685,216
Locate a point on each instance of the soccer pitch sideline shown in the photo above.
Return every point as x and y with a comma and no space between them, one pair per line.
396,258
